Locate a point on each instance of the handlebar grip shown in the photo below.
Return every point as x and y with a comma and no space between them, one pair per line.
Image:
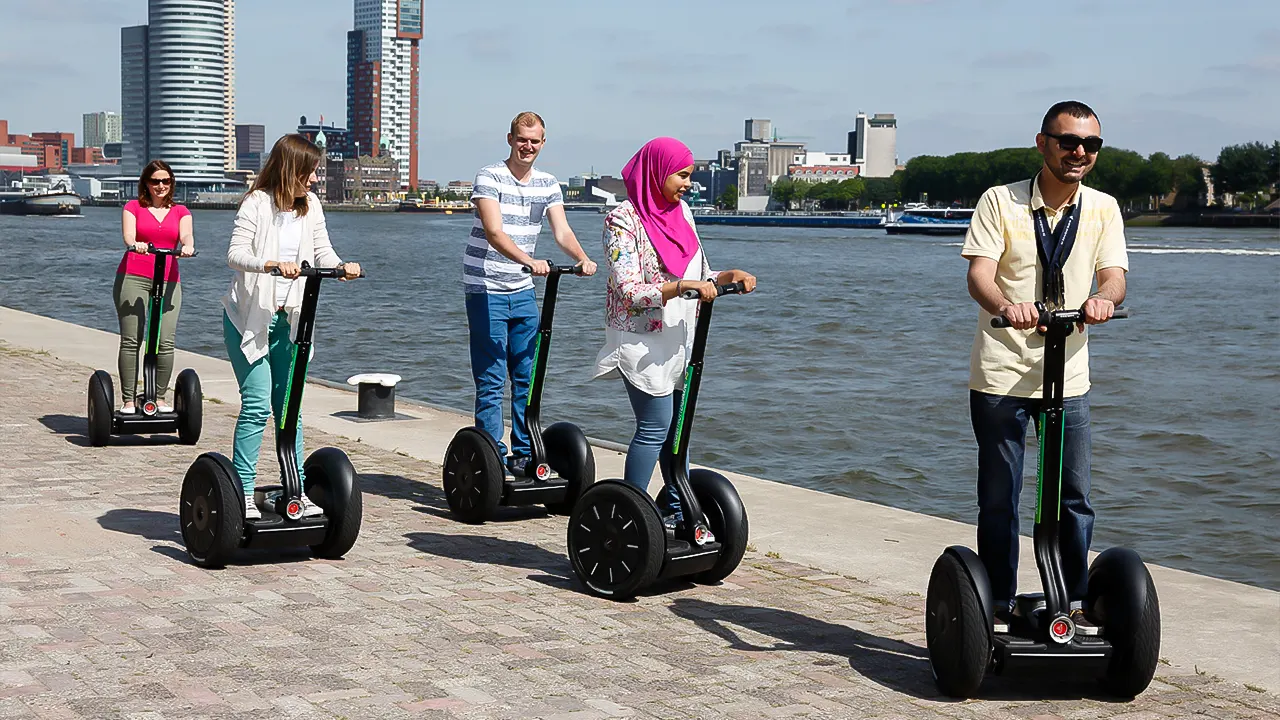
734,288
561,269
1120,314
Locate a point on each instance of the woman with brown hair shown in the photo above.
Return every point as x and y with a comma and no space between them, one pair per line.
279,225
151,220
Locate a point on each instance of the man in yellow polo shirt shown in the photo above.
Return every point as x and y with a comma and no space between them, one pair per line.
1012,264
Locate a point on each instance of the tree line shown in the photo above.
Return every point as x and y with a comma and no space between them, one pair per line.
1248,171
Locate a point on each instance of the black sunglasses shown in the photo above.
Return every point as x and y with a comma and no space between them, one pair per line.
1069,142
160,181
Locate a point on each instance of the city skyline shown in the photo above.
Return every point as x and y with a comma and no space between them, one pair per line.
607,82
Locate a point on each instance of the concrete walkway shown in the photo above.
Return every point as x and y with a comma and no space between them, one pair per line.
827,577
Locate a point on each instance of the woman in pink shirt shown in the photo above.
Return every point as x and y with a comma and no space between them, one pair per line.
152,219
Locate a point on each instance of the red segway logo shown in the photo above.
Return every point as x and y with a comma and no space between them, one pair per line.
701,534
293,510
1062,630
543,471
149,408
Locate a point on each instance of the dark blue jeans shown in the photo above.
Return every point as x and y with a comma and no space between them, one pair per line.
653,422
1000,426
503,328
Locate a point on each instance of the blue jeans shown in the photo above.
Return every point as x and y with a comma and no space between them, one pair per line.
653,423
264,386
1000,426
503,328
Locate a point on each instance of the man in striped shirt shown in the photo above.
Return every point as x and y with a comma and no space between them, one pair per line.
511,198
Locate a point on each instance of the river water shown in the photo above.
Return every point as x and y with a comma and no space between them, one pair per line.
845,372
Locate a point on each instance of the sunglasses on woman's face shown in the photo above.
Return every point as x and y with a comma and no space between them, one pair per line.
1069,142
160,181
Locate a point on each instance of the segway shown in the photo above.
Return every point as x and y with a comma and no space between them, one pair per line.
212,508
105,420
560,466
963,646
617,543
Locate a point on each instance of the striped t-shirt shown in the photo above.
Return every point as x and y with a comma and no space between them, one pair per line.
523,205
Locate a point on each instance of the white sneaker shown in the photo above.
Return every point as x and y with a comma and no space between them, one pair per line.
310,509
251,511
164,408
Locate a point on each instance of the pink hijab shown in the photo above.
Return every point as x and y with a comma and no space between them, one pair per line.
664,222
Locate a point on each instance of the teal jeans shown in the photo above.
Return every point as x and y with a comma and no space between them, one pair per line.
263,389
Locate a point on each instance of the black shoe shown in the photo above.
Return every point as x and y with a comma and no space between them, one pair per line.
1085,626
517,465
1003,621
673,523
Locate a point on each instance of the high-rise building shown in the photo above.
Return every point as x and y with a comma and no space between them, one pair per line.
250,145
175,73
229,83
873,144
382,82
134,99
100,128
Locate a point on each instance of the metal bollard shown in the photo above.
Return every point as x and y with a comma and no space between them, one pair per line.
376,393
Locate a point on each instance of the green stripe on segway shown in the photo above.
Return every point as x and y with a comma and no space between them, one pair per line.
537,350
1040,466
684,402
1062,446
288,390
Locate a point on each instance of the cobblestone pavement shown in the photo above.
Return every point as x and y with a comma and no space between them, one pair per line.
102,617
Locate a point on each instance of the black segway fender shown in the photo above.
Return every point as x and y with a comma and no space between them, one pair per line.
569,454
727,517
189,404
211,511
473,475
981,583
331,482
1122,597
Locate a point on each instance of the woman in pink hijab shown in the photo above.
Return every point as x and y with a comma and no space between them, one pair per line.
654,255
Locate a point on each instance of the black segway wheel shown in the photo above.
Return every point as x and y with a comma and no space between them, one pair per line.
616,540
211,511
188,403
956,630
1122,598
331,482
569,454
101,408
472,475
727,518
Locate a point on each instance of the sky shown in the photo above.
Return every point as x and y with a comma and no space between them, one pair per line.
1179,76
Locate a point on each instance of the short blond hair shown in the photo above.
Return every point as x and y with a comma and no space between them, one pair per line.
527,119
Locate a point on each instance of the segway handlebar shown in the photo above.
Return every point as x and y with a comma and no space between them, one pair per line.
556,269
338,271
175,252
1048,317
733,288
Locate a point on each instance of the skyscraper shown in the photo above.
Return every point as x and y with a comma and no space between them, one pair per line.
100,128
134,99
873,144
382,82
229,82
175,73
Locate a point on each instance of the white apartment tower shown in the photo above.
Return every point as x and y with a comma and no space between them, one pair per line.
177,73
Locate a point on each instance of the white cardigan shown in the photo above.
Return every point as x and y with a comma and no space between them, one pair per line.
250,300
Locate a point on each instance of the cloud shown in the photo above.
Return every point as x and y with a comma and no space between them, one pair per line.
1013,60
1266,66
1220,92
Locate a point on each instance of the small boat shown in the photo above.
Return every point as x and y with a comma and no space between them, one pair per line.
39,203
920,219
